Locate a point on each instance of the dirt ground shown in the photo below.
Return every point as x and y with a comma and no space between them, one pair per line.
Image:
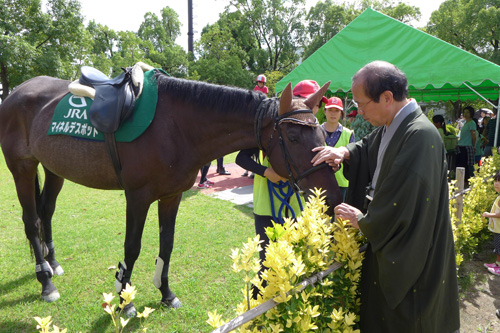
482,297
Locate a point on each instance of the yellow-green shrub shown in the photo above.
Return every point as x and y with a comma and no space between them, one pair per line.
297,250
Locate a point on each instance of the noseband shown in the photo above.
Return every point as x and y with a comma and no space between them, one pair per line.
289,117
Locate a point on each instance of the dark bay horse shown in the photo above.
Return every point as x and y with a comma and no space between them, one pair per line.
194,124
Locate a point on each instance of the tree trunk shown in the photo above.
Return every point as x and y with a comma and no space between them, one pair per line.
4,81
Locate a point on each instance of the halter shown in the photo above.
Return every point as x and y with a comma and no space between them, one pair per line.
289,117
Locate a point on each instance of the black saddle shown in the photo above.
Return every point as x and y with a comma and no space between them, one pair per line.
114,100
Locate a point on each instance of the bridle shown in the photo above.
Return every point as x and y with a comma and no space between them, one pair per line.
289,117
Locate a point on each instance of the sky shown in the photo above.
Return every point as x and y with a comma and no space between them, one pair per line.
120,15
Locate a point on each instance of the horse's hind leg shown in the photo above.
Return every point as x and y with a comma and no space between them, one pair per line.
167,213
51,188
25,177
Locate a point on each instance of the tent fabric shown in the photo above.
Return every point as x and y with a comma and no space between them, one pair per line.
436,70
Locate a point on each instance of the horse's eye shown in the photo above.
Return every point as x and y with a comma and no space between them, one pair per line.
293,138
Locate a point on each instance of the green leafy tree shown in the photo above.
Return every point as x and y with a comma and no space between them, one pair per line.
473,25
328,17
103,41
276,31
220,59
325,20
34,42
161,34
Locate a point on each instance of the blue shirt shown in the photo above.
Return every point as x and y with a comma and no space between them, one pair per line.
333,137
465,133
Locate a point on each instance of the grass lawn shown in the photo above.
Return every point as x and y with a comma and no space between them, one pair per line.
89,229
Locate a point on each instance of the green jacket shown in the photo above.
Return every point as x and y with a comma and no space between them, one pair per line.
262,200
345,136
408,280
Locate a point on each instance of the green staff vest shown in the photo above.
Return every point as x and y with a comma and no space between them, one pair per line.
345,136
261,199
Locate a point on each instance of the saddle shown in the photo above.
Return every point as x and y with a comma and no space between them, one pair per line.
114,102
114,99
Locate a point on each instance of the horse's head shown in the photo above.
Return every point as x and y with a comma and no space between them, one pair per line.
294,134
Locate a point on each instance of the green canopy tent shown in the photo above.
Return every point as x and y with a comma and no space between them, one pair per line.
436,70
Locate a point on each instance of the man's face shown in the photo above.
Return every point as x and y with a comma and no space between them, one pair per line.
373,112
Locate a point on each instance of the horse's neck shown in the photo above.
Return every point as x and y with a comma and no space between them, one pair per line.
220,133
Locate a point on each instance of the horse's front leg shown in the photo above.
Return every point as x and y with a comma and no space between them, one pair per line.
167,212
137,210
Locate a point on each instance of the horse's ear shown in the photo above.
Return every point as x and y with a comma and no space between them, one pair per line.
286,100
314,99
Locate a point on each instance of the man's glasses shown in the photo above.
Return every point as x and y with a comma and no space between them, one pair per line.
361,105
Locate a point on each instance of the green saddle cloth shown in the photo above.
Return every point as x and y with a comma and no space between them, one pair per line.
71,118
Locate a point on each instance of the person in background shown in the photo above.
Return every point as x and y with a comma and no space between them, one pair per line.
438,121
306,88
204,182
220,167
337,135
467,144
398,198
489,133
494,227
261,84
449,140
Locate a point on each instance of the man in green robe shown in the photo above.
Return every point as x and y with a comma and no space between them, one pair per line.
398,198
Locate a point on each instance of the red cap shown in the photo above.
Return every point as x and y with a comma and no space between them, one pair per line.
334,102
306,88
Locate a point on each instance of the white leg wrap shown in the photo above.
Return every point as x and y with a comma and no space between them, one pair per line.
119,277
158,270
44,267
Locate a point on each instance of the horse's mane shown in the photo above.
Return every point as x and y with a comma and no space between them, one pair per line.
210,96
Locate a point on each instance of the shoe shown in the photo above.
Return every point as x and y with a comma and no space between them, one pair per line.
209,182
494,271
251,175
245,174
203,185
493,265
498,313
223,172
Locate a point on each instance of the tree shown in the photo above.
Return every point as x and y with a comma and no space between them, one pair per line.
473,25
276,29
161,35
103,41
220,59
327,18
33,42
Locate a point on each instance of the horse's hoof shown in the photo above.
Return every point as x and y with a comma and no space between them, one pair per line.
58,270
174,304
129,310
51,297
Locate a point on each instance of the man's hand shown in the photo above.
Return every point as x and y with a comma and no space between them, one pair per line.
332,156
348,212
273,176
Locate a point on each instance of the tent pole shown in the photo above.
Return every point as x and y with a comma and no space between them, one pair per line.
498,118
484,99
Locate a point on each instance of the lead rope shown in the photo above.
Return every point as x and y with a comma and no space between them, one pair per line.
277,190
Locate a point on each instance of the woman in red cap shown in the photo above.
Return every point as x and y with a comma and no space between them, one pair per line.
337,135
305,89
